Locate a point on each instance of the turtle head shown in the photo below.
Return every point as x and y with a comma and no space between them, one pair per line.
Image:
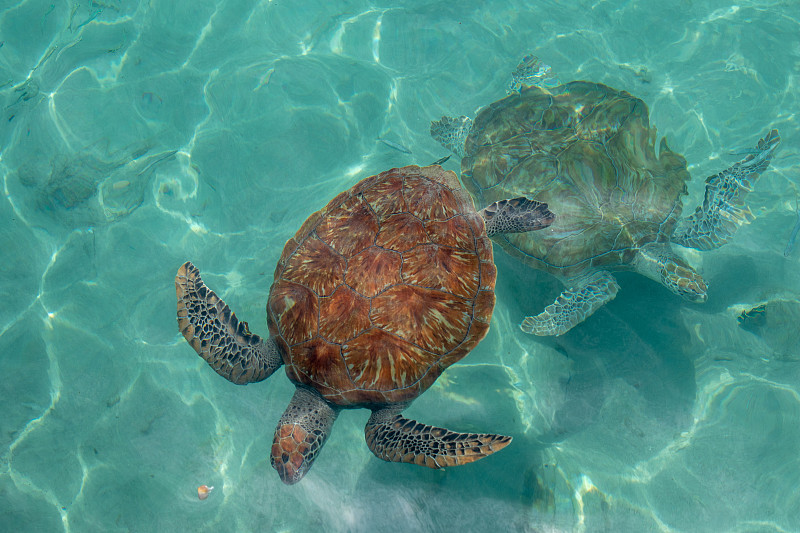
658,261
685,282
292,452
301,432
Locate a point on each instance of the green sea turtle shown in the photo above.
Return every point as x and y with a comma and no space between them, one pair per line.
588,151
375,296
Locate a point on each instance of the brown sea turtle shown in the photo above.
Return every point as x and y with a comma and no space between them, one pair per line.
376,294
589,152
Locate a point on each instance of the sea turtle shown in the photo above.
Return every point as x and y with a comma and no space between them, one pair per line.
588,151
376,294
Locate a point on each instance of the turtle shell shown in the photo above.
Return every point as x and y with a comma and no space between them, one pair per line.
588,151
384,288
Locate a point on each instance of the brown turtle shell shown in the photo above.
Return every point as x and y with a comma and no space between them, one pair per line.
384,288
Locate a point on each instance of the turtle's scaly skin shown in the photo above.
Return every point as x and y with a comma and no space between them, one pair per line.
370,315
588,151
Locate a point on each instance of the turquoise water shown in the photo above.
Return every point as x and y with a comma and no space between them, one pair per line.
135,136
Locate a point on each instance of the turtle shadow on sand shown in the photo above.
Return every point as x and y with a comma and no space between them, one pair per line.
625,343
733,277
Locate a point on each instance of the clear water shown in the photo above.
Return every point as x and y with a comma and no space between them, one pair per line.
135,136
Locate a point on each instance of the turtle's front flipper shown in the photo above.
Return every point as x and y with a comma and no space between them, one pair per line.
723,209
452,133
531,72
583,297
394,438
301,432
216,334
516,215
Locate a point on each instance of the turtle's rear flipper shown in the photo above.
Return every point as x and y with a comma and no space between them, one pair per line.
516,215
584,296
394,438
723,209
216,334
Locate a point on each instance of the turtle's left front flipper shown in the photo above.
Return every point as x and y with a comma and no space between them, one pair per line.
723,209
212,329
516,215
394,438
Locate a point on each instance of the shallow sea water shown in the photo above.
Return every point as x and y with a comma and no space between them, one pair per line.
135,136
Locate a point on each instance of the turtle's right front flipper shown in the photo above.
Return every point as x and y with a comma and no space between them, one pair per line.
394,438
583,297
215,333
723,209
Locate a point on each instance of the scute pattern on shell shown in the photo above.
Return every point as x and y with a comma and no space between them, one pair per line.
384,288
589,152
